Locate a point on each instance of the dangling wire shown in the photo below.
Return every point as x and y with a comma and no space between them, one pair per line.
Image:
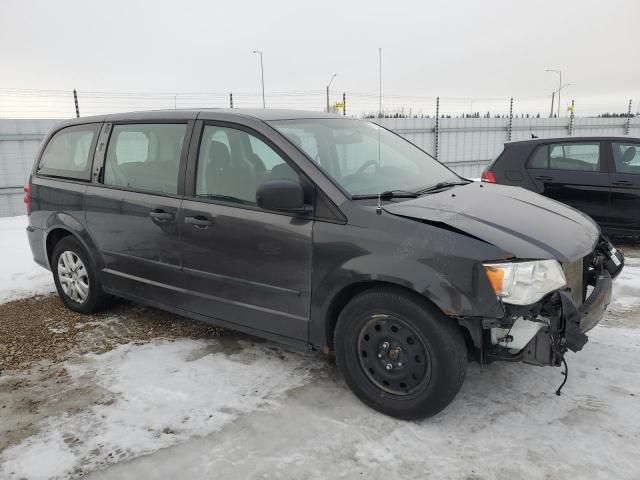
566,375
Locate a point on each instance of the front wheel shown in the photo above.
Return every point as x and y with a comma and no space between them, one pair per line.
399,354
76,278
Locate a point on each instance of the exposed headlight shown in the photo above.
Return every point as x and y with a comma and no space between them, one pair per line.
524,283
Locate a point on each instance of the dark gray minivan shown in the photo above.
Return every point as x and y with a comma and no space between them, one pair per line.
327,233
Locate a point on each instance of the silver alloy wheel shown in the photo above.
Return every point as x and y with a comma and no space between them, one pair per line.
73,276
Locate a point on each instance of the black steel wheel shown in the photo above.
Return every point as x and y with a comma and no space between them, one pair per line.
399,354
393,355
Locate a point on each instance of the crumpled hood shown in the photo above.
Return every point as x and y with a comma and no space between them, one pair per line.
518,221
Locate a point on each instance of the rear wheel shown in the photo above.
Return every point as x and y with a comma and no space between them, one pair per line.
76,278
399,354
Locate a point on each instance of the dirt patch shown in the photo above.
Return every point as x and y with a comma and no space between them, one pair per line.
42,328
28,397
38,333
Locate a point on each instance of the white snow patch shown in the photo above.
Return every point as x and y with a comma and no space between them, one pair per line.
20,276
164,394
626,287
505,423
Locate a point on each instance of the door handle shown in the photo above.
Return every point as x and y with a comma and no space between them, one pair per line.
544,178
199,221
622,183
160,215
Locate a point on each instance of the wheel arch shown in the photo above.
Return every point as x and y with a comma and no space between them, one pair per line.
61,225
348,292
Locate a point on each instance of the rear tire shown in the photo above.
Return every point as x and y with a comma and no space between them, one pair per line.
399,354
76,278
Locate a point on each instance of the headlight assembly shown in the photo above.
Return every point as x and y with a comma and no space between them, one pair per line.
524,283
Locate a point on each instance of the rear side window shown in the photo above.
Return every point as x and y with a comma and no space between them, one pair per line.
581,156
626,157
145,157
68,153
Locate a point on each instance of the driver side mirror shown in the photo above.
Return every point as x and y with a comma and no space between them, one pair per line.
282,195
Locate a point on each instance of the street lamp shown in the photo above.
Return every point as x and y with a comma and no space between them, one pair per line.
553,94
559,72
330,80
261,76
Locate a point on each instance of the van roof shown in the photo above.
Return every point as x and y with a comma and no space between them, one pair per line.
190,113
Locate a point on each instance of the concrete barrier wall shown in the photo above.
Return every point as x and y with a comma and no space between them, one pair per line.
19,143
467,145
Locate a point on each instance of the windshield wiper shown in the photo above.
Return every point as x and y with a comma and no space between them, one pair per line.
441,186
387,195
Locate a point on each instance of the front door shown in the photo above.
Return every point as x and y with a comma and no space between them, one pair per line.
625,186
132,213
242,264
574,173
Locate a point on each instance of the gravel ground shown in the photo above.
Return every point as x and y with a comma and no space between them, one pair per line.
42,328
38,334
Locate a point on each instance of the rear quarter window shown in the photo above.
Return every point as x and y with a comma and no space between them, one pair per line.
540,157
68,153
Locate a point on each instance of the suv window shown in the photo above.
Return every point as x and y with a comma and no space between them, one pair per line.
626,157
232,162
567,156
145,156
67,153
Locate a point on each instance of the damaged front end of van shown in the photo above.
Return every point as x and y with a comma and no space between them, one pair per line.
549,306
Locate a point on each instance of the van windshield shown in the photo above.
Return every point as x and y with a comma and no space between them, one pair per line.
364,158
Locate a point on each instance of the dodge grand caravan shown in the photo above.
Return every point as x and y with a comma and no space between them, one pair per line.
326,233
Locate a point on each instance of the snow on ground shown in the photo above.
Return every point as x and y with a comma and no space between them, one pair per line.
163,394
229,408
20,276
626,292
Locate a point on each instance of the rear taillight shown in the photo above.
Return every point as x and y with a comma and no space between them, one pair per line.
488,176
27,197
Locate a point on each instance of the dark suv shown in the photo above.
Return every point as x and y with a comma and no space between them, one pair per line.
326,233
599,176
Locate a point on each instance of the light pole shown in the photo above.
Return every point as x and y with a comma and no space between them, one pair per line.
330,80
553,94
559,72
380,78
261,76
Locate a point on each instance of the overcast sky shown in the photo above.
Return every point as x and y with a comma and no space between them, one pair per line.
463,49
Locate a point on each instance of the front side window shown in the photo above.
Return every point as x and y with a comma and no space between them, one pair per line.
232,162
145,157
364,158
68,153
626,157
567,156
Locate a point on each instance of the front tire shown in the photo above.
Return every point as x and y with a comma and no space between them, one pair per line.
76,277
399,354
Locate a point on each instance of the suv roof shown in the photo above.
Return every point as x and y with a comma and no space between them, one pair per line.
573,139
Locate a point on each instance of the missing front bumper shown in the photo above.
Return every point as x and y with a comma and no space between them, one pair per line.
565,316
565,325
